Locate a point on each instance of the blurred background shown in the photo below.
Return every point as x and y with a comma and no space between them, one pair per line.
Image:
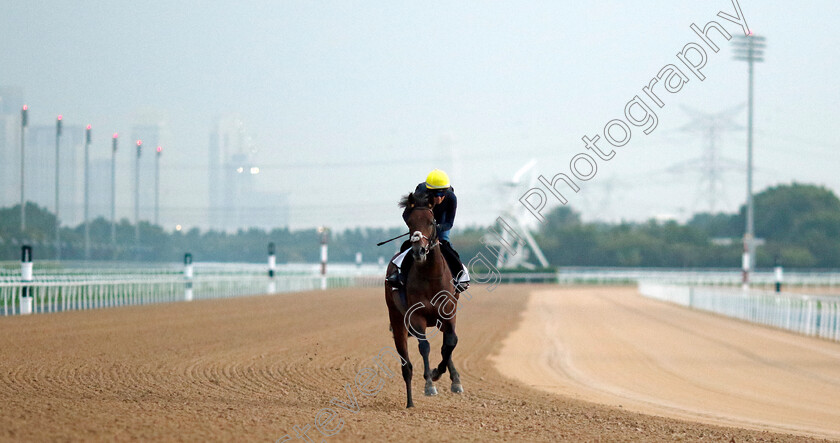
275,118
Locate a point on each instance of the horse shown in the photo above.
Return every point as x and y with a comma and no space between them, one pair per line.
430,299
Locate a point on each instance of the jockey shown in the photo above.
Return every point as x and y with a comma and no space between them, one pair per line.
438,189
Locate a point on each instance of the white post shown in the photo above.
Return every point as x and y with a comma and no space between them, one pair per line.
26,276
188,277
779,275
272,266
358,259
808,315
324,232
745,266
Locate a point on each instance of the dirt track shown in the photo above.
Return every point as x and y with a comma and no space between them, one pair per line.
253,368
613,346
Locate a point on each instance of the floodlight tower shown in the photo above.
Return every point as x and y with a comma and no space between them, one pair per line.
157,183
137,198
87,192
24,121
749,48
57,163
114,193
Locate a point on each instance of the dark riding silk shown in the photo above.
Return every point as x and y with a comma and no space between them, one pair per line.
444,212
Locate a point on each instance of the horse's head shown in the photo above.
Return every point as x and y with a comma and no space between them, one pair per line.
421,225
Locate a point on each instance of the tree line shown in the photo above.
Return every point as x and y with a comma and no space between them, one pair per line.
157,245
798,223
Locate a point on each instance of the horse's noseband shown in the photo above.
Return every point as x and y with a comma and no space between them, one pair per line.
416,236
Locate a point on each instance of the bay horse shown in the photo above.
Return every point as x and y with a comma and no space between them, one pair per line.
430,299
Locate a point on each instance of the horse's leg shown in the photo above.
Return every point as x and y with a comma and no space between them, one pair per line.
401,343
455,377
427,373
407,369
450,340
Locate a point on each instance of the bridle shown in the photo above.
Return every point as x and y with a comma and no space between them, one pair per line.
416,236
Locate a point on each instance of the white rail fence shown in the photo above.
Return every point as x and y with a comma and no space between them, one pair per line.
76,292
10,271
698,277
806,314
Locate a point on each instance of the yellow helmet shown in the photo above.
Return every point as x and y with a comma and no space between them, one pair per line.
437,179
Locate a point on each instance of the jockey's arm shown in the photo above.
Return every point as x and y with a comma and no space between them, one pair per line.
448,219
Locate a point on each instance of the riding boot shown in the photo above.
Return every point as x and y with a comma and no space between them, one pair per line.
397,279
453,260
394,279
403,297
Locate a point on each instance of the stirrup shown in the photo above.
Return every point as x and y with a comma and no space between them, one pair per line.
462,286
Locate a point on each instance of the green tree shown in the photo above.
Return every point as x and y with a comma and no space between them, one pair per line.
778,209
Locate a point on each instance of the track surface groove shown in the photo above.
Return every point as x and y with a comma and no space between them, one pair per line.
250,369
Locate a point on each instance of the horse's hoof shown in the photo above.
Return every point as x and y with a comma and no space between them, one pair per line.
436,375
409,406
431,391
457,388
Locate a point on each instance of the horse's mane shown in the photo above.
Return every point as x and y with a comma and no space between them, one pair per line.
414,199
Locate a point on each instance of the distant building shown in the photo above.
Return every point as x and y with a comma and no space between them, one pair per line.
40,170
234,198
100,188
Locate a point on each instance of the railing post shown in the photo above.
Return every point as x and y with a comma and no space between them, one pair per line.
745,265
188,277
272,265
324,236
808,315
26,276
779,274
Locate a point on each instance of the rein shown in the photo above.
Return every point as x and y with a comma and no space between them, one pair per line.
415,238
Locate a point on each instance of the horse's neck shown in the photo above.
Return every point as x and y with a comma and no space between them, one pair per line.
435,265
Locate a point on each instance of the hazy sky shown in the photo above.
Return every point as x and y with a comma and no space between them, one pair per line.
352,103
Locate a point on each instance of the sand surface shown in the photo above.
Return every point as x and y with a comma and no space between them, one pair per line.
612,346
255,368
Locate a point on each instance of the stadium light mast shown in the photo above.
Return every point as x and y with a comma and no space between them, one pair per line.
137,199
114,193
749,48
24,121
157,184
87,192
57,163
